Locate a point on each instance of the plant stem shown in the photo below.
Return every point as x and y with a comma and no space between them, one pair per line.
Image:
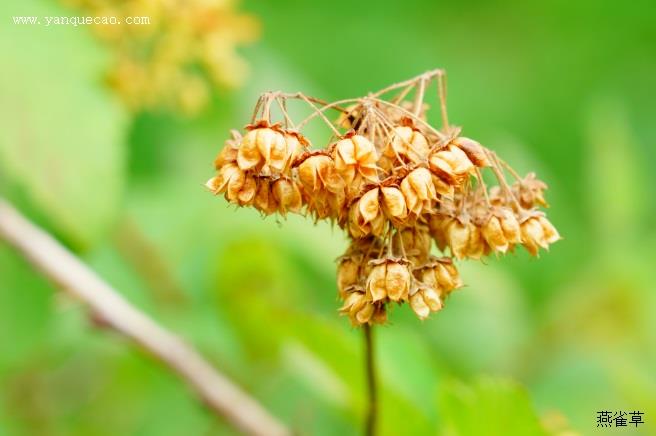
372,390
111,310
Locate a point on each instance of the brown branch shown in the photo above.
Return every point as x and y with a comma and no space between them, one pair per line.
63,268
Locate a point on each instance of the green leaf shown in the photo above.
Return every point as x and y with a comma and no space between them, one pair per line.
25,303
488,406
615,174
60,133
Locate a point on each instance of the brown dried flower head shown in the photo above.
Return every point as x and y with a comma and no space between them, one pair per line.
394,184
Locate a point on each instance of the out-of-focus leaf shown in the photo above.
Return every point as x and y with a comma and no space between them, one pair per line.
576,383
60,133
488,406
616,190
25,304
482,325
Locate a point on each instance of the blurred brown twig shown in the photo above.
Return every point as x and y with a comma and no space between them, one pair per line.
108,306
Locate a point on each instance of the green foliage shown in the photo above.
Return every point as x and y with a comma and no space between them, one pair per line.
564,89
61,135
488,406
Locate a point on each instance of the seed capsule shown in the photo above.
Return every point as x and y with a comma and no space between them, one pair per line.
348,273
501,230
418,189
287,196
366,216
440,274
530,192
358,308
356,155
245,195
407,145
437,225
465,239
451,164
415,242
228,153
537,232
264,149
317,173
474,151
295,143
389,278
264,200
394,203
229,178
380,314
425,301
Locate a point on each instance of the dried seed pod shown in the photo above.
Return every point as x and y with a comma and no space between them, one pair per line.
474,151
418,189
295,143
501,230
415,242
530,192
369,205
510,225
263,149
447,275
287,196
317,173
366,216
442,187
407,145
359,228
440,274
494,236
264,200
323,189
348,273
389,278
245,195
451,165
424,301
361,310
380,314
477,247
537,232
229,178
394,204
457,237
465,239
437,224
228,153
356,155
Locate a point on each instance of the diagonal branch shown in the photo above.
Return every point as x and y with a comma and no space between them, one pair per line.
63,268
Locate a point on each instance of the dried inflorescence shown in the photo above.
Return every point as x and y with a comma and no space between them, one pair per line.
394,184
171,53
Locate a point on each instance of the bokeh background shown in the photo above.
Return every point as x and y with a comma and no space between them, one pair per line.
531,346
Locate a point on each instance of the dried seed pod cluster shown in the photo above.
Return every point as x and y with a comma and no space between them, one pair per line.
171,53
394,184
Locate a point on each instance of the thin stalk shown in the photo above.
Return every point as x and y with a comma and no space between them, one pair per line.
419,97
441,91
372,389
320,111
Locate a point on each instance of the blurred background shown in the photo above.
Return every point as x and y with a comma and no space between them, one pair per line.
110,154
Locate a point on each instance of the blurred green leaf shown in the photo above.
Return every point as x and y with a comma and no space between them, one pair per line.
488,406
60,133
25,304
616,197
